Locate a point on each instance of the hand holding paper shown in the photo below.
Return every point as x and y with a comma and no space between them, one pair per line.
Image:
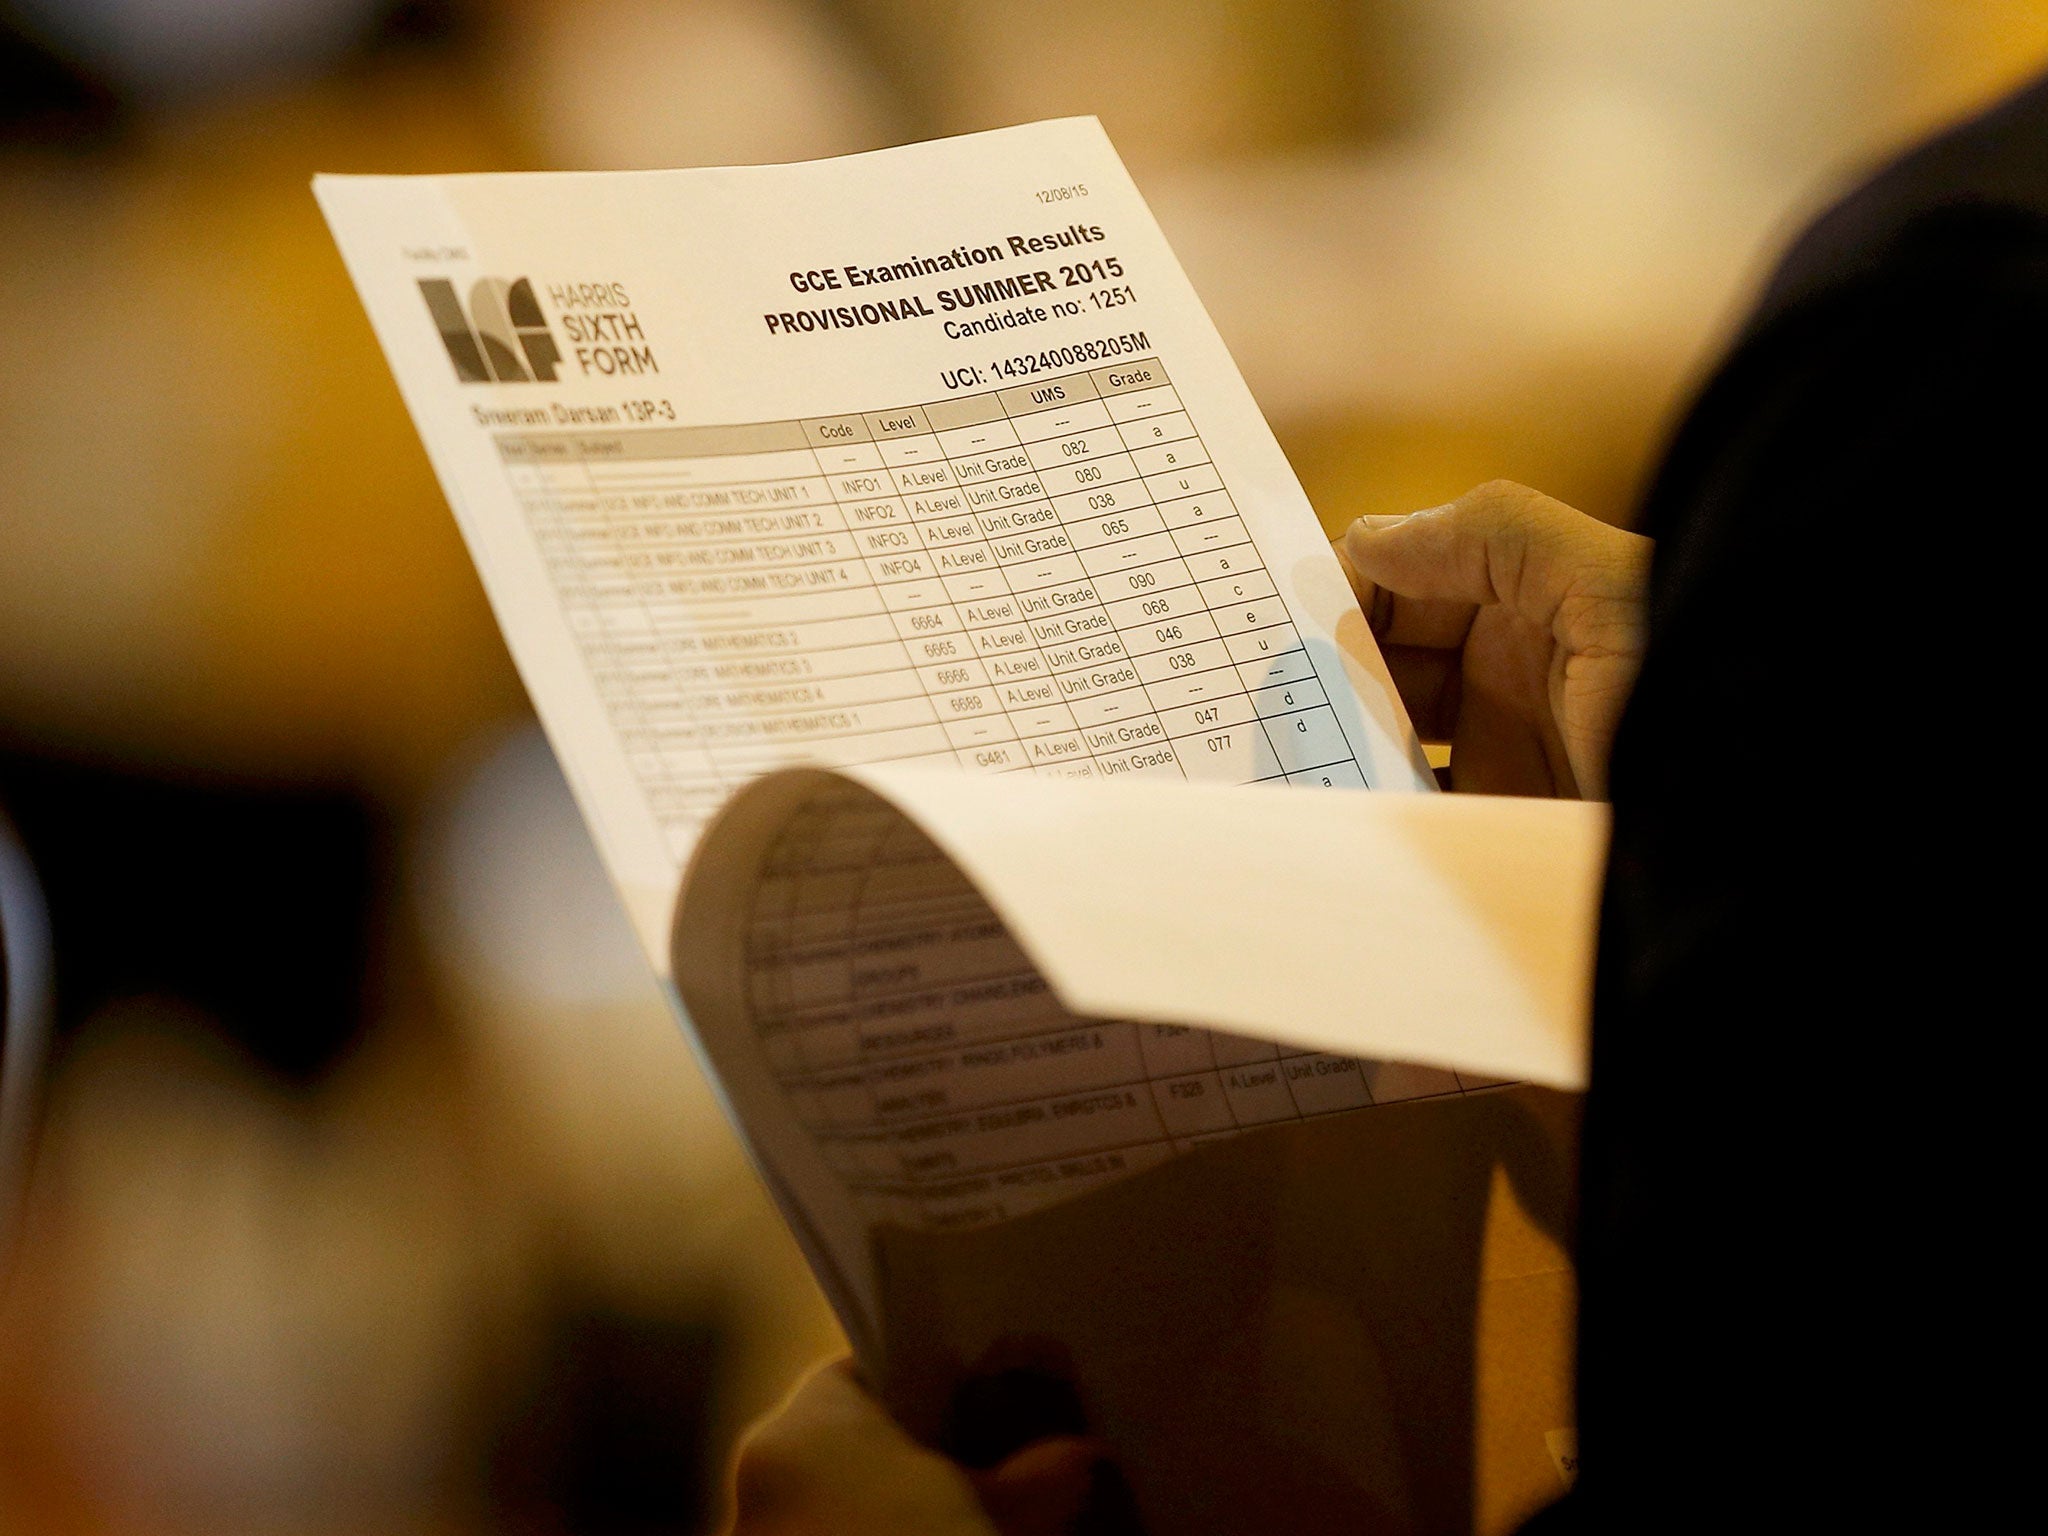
1514,627
798,490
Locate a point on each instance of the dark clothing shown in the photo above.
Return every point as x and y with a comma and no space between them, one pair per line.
1802,1200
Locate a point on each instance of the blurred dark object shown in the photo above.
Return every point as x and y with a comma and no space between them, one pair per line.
1003,1408
251,903
24,1023
1023,1394
46,99
1826,1266
71,73
613,1437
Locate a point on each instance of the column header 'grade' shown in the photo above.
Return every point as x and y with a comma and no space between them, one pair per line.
825,431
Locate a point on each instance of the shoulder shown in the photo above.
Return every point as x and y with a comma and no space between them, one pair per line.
1904,325
1981,178
1887,393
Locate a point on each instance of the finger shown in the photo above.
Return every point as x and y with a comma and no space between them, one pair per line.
1499,543
1361,589
1398,620
1498,750
1042,1489
1422,621
1430,683
1507,740
831,1460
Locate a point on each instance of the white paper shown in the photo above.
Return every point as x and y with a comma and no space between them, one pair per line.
939,1003
1453,931
732,532
930,460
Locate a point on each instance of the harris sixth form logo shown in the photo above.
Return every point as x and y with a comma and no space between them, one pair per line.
502,337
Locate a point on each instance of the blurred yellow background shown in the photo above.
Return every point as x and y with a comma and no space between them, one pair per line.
436,1227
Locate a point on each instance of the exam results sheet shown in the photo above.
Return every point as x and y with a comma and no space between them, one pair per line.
968,707
927,465
929,455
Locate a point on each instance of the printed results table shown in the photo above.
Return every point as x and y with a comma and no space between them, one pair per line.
938,1075
1051,578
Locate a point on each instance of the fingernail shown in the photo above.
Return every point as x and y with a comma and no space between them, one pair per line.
1376,522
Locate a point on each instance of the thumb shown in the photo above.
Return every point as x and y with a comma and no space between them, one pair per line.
1498,543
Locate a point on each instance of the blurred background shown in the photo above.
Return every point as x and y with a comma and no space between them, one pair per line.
376,1191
